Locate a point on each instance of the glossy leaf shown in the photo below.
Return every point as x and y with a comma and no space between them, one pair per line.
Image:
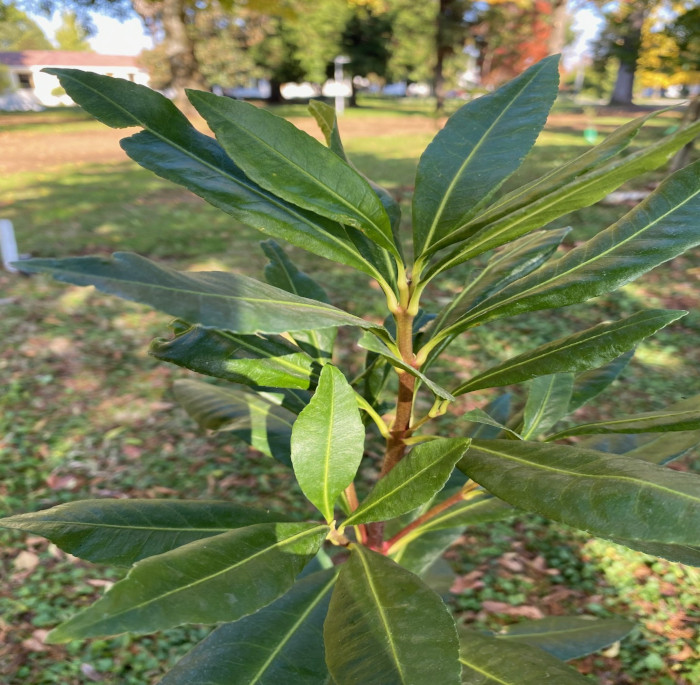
374,344
506,266
608,495
215,299
490,661
282,273
421,474
547,402
481,145
294,166
400,631
499,411
655,231
328,441
252,360
568,637
281,643
328,123
480,417
470,512
589,349
123,531
580,191
173,149
660,448
221,578
254,418
591,383
660,421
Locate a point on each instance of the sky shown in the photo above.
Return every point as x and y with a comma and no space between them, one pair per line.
114,37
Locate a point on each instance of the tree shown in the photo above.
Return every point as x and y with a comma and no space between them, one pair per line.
19,32
365,609
72,35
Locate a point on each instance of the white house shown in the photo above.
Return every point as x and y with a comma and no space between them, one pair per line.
31,88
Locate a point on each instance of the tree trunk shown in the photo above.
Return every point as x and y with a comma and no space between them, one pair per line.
442,50
628,54
179,49
275,92
560,21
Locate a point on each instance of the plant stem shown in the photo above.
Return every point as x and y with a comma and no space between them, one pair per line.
353,503
431,513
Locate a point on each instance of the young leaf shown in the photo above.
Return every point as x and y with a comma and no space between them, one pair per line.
590,490
582,191
568,637
294,166
254,418
281,643
413,481
385,626
122,531
374,344
498,411
591,383
173,149
656,230
481,418
328,441
660,421
252,360
221,578
547,403
214,299
578,352
490,661
481,145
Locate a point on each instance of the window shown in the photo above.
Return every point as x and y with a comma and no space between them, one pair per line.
25,80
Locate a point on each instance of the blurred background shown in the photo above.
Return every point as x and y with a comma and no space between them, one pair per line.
85,412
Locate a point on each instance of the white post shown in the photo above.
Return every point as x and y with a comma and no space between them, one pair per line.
8,245
338,77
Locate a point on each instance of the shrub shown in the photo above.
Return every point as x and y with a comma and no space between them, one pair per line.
348,593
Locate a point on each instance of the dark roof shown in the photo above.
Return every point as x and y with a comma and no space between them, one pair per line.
65,58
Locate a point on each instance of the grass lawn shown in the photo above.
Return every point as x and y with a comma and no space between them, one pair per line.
85,412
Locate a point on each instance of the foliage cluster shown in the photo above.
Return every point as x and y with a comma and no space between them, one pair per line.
265,577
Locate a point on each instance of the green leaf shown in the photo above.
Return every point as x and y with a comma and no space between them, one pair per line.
214,299
328,123
252,360
506,266
221,578
490,661
480,417
591,383
386,626
608,495
281,643
480,509
656,230
654,448
252,417
173,149
481,145
422,551
567,637
121,531
282,273
498,410
660,421
294,166
547,403
585,350
414,480
580,191
328,441
683,554
374,344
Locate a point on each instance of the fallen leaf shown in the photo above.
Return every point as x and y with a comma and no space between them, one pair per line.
523,610
26,561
